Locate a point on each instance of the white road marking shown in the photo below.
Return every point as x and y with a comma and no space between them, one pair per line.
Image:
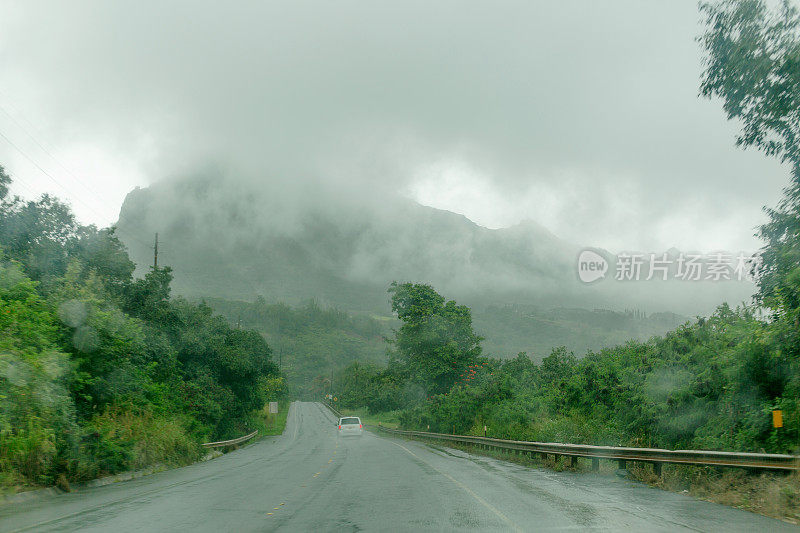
466,489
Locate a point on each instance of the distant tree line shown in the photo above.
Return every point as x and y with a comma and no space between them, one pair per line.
309,340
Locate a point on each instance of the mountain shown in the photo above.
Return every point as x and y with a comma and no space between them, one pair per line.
238,239
225,244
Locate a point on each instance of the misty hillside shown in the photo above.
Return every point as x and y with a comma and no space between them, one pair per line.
238,244
310,341
234,239
511,329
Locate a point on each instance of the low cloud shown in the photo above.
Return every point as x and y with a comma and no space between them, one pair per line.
583,117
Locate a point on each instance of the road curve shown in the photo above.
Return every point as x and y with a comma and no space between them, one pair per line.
310,480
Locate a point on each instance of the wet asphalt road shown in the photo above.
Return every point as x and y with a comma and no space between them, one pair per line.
309,479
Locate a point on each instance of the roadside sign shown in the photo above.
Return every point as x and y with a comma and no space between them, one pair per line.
777,418
273,408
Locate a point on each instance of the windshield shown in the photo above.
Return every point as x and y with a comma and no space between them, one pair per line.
400,266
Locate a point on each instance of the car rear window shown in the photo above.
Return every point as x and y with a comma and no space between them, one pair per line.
346,421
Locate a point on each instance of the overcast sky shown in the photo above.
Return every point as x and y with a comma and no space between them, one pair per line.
582,116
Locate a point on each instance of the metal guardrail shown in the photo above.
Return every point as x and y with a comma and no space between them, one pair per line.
334,411
655,456
230,442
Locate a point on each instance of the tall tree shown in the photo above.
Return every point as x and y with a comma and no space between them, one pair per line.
436,340
5,181
753,64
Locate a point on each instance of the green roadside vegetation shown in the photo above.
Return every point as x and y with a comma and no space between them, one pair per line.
101,372
710,384
311,341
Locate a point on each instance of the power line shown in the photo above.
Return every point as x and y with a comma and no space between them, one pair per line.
62,165
54,180
45,150
78,180
17,181
43,171
55,159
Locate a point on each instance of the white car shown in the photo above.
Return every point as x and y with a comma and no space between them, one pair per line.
350,425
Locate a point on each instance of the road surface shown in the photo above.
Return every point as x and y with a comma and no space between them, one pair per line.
310,480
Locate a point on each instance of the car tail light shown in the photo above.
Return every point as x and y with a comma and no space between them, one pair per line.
340,427
360,426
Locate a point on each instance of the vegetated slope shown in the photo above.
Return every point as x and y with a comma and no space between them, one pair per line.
232,238
310,342
510,329
709,384
102,372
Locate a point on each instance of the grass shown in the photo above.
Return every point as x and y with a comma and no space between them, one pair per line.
132,440
389,419
268,424
772,494
150,440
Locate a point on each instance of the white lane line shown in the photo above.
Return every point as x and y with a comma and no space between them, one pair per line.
468,490
294,420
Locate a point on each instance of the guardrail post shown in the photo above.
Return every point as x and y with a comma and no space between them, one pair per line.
595,464
657,469
621,464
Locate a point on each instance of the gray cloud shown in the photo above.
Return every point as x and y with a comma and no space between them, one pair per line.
591,103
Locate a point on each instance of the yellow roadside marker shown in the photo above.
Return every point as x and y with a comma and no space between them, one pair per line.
269,513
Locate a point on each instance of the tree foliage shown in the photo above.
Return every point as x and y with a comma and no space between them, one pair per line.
753,65
710,384
100,371
436,340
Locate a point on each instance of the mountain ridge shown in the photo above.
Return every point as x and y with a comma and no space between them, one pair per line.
234,238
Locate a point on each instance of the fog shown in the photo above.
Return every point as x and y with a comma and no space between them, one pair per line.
581,116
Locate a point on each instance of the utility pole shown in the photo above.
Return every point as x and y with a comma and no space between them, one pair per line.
155,254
